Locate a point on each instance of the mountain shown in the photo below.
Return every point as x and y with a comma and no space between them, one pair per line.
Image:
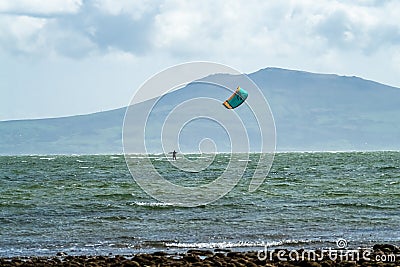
330,112
312,112
85,134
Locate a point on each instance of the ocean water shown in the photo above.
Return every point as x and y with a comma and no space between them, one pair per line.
92,205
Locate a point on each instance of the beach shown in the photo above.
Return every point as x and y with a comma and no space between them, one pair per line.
379,255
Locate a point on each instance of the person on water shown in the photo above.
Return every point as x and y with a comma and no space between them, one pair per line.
174,155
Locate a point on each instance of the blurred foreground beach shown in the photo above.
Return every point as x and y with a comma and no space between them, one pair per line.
379,255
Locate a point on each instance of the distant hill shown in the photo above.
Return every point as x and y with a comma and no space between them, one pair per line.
312,112
330,112
96,133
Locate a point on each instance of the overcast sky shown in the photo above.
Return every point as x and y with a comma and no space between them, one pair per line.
66,57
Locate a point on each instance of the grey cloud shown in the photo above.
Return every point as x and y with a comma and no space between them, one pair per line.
89,31
121,32
365,38
105,31
334,27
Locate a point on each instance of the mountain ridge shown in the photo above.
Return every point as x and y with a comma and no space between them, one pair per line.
312,112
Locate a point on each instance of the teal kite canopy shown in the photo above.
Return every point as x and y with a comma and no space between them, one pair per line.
238,97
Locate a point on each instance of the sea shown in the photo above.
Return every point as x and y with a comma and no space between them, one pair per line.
91,205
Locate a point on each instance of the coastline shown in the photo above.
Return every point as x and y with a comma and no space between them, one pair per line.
379,255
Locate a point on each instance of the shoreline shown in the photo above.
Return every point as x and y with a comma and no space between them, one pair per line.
380,254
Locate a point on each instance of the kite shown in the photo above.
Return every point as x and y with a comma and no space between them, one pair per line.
238,97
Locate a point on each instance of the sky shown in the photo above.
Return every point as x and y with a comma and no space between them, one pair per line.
68,57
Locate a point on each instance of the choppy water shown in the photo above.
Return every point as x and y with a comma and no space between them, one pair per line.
91,205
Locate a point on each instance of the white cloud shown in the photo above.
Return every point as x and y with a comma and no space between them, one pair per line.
135,8
28,26
354,27
359,38
343,37
21,33
40,6
218,28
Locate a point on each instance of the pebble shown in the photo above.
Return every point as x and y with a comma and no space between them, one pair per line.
194,257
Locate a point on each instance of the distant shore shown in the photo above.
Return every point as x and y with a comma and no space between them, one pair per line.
379,255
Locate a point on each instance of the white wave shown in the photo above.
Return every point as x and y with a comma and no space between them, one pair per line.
238,244
154,204
220,244
148,157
